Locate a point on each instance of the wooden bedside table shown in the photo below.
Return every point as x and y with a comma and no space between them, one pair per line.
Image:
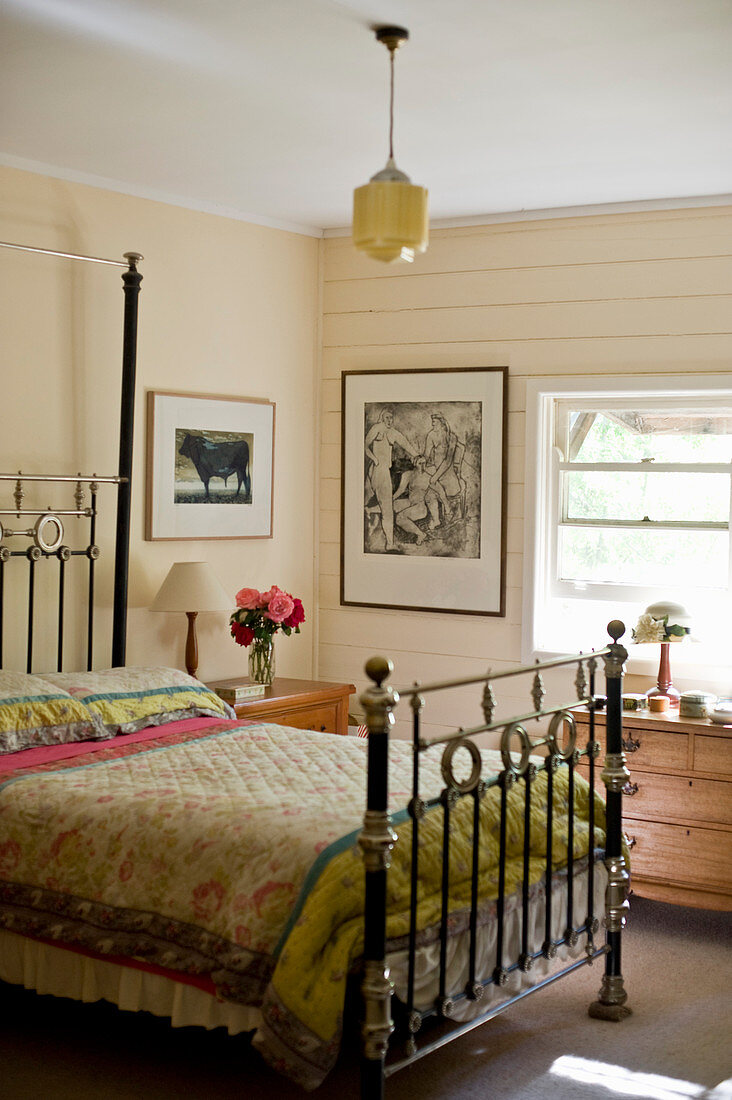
304,704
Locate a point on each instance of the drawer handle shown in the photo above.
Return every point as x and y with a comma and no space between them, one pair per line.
630,745
630,789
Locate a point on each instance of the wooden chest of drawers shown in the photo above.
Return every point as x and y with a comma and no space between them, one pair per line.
304,704
677,808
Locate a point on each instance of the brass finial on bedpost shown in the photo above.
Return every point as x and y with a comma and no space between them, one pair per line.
612,997
376,841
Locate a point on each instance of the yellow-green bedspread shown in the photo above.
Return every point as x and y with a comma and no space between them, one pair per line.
233,855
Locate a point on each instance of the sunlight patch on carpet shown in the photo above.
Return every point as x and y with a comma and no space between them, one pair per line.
624,1081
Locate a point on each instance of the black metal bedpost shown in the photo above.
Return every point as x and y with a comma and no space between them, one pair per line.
376,841
612,997
131,279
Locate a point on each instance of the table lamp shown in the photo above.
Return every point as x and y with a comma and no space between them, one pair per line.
663,622
188,585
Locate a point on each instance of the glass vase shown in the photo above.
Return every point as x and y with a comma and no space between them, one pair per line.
261,661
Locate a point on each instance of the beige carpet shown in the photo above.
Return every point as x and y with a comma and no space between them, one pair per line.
677,1044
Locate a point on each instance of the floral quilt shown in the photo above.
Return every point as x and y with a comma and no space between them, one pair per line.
233,855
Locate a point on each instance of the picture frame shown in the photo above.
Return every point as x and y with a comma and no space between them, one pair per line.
423,489
210,466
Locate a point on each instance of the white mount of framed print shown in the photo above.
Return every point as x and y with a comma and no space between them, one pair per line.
210,463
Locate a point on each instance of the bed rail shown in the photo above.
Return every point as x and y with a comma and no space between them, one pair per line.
558,745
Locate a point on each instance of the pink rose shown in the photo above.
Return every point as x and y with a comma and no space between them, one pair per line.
280,606
297,615
249,598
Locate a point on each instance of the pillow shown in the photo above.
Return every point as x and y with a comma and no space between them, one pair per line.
36,712
128,699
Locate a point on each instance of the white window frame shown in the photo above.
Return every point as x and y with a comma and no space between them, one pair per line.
542,509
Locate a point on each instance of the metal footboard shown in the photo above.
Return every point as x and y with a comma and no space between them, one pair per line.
522,778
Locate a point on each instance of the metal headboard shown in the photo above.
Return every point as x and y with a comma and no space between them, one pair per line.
47,543
47,533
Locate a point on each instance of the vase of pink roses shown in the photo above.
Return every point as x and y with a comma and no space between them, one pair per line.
258,617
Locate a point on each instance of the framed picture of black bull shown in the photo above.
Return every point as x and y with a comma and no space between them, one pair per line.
423,489
209,467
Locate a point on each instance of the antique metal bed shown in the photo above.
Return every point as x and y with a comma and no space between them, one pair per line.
520,769
533,768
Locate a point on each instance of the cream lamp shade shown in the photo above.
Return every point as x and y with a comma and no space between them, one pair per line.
662,622
191,586
390,220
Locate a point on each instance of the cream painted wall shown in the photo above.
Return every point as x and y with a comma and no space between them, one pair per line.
226,308
612,294
231,308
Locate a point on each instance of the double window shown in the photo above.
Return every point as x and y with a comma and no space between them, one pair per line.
628,498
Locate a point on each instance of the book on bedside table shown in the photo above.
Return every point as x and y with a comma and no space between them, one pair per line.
238,693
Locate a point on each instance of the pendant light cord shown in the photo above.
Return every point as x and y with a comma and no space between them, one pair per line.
391,107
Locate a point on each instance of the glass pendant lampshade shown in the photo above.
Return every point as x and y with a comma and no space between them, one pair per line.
390,219
390,216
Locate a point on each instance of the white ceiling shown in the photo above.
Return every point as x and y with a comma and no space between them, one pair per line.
274,110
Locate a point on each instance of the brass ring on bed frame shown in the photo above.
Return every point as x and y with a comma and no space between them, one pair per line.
41,533
509,764
554,746
462,785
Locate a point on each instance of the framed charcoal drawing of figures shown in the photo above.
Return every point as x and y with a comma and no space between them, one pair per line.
209,467
423,489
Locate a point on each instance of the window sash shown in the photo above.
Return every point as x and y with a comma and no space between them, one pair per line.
649,467
564,519
648,524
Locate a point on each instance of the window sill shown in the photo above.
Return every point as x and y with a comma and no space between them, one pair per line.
698,666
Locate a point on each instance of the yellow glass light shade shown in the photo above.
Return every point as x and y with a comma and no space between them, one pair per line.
390,220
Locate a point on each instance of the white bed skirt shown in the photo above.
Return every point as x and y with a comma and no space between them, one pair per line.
62,973
427,962
48,969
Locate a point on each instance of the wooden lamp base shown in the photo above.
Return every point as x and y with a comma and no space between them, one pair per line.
664,687
191,644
